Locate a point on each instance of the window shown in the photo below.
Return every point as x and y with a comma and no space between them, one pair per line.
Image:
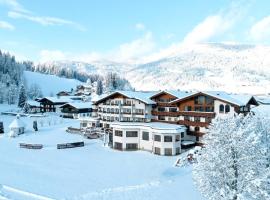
131,146
168,151
221,108
209,109
139,111
167,138
197,128
132,134
200,100
145,135
187,108
118,133
208,119
173,109
161,109
161,117
197,119
84,124
209,100
177,150
186,118
227,108
182,134
199,109
157,138
177,138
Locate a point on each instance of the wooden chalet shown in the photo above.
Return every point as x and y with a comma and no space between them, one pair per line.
76,110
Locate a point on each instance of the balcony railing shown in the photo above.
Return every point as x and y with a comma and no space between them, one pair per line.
164,104
161,113
195,133
170,122
197,114
192,123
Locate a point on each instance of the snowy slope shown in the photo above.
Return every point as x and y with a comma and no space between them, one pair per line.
92,172
50,83
229,67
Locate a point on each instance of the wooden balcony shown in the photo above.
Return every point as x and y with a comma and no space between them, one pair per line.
161,113
169,122
197,114
195,133
164,104
192,123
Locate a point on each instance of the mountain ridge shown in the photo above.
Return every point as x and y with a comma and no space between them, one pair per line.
210,66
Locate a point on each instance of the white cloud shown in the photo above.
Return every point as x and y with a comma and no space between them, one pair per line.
17,11
211,26
14,5
127,52
260,30
6,25
218,24
140,26
52,55
135,49
45,21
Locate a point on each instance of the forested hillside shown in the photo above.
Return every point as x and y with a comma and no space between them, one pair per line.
11,75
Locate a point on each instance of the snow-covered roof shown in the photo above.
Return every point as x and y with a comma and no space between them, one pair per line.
33,103
82,105
158,126
177,93
17,123
187,142
237,99
63,99
139,95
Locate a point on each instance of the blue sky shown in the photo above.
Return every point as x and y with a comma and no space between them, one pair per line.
124,30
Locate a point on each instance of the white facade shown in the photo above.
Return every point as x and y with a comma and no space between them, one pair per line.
158,138
227,107
126,110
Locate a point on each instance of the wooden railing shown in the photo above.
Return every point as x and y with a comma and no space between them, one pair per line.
195,133
192,123
170,122
161,113
164,104
197,114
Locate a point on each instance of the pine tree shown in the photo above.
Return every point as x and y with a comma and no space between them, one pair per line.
232,166
22,97
99,89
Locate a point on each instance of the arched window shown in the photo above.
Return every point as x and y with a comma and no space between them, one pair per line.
227,108
197,128
221,108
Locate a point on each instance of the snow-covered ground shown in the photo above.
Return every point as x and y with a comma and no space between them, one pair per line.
50,84
89,172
